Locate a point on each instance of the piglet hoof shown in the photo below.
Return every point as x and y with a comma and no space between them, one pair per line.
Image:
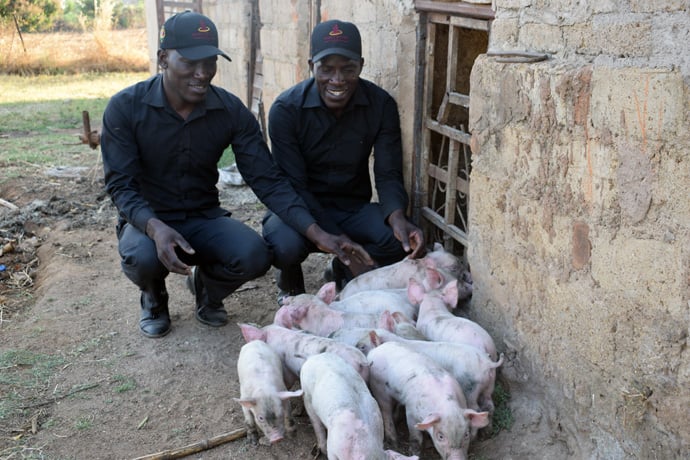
416,448
315,452
290,426
298,410
253,437
264,441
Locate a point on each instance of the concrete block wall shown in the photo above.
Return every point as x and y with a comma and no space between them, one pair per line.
580,218
388,30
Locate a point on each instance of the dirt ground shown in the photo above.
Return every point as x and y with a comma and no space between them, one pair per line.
90,386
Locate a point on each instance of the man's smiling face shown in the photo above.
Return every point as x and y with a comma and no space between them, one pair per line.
337,78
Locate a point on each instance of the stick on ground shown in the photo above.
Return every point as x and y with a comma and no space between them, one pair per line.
196,447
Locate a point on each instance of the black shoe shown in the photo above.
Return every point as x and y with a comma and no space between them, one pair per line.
337,271
290,282
207,312
154,321
284,294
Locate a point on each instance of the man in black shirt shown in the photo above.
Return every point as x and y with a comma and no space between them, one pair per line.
322,133
161,142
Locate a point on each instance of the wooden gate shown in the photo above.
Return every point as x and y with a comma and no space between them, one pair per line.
166,8
450,38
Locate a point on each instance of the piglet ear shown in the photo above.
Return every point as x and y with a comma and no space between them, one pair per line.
428,422
376,339
250,332
387,321
327,292
434,278
450,294
415,291
246,402
477,419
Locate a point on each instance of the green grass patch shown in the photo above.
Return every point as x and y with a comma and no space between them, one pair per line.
41,118
24,373
84,423
503,416
124,383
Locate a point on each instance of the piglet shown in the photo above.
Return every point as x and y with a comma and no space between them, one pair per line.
294,347
433,400
362,338
472,368
433,270
373,301
263,396
345,417
309,313
437,323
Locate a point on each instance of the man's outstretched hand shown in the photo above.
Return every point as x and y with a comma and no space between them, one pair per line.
410,236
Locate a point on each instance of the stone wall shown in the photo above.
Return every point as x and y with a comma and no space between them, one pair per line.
580,216
579,212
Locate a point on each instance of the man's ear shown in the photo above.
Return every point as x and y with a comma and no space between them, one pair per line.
311,65
162,59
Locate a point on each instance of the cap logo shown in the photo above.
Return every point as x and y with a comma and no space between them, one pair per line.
335,31
202,32
203,27
162,34
336,36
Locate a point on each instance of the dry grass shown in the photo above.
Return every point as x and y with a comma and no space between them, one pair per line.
72,53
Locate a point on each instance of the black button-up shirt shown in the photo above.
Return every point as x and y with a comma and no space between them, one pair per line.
327,158
159,165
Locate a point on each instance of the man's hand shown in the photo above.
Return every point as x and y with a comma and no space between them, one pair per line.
410,236
167,239
350,253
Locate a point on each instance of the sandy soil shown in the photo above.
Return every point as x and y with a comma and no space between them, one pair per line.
87,385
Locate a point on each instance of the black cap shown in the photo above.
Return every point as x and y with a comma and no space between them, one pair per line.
193,35
336,37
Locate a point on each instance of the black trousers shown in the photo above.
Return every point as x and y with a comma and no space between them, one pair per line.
365,226
228,253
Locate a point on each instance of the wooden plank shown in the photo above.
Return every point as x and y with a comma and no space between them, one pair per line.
459,8
448,131
425,154
460,99
469,23
456,233
461,185
451,190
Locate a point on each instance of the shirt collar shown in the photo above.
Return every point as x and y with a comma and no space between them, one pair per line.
156,97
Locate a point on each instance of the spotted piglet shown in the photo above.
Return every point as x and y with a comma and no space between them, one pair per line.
264,398
433,400
345,417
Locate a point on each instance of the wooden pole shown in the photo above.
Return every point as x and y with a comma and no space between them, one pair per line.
16,24
199,446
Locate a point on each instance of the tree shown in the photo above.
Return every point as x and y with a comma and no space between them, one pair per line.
32,15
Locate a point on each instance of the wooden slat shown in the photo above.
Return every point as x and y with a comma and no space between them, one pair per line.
470,23
440,174
460,99
448,131
460,9
452,230
451,191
